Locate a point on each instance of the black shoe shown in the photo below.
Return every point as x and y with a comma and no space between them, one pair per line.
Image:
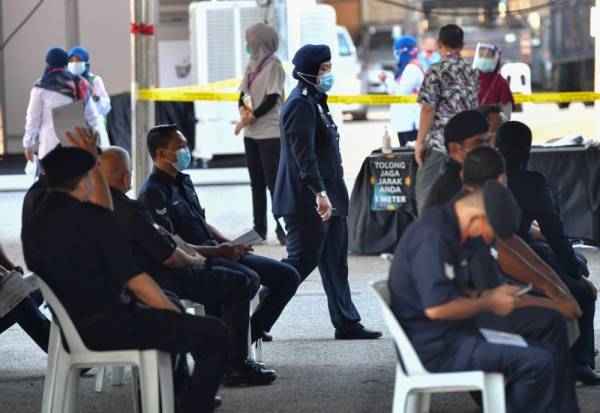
218,402
586,375
248,373
266,337
361,334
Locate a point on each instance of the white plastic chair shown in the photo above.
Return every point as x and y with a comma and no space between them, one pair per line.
62,376
414,385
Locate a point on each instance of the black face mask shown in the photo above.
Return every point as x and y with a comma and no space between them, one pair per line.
475,244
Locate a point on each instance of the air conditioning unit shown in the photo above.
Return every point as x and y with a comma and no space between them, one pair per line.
217,44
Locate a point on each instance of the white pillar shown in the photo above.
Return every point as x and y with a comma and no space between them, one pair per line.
143,75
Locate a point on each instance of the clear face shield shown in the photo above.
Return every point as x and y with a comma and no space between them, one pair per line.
486,57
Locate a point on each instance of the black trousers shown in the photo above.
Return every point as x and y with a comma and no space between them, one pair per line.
313,243
30,318
582,351
262,159
279,281
207,338
216,288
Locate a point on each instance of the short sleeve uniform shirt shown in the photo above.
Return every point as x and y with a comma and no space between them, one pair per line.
430,269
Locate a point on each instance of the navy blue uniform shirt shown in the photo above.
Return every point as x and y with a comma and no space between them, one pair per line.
77,249
174,204
430,268
150,247
310,159
534,196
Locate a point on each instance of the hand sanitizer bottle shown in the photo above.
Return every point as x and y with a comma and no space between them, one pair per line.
386,146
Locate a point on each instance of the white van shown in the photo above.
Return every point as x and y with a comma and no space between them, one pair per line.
347,73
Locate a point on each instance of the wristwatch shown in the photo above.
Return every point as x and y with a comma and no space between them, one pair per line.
322,193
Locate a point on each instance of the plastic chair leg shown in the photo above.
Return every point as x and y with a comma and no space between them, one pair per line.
165,377
50,380
61,379
400,392
149,382
413,403
100,372
71,391
118,373
492,394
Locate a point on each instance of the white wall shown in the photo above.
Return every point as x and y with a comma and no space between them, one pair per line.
24,56
103,30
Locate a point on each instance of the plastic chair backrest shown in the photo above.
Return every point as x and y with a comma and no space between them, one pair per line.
518,76
410,360
67,327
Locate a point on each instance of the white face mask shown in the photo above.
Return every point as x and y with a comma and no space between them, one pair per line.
77,68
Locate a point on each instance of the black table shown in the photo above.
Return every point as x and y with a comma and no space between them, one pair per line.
573,174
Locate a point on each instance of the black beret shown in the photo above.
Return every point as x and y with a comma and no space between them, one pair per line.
65,163
514,135
501,209
308,59
465,125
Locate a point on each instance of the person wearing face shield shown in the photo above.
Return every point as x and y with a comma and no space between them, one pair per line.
493,88
310,192
441,314
261,97
57,87
79,65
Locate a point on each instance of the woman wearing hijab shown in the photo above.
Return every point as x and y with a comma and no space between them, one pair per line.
409,78
310,192
79,65
260,101
493,88
57,87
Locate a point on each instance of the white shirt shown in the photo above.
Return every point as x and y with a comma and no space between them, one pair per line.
39,125
405,117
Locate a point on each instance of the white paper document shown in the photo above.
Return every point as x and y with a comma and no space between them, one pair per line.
249,238
184,246
13,289
501,337
68,117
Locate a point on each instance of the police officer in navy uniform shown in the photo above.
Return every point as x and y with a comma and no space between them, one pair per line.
183,274
170,196
431,298
70,239
310,192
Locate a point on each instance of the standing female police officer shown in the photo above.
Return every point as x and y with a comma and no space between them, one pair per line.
310,192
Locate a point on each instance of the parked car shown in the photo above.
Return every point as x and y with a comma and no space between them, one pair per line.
347,69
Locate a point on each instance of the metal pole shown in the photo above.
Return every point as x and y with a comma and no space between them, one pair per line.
143,75
596,20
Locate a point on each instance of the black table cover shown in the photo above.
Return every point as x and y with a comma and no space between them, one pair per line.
573,173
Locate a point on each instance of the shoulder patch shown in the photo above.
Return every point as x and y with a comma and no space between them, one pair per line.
161,211
449,270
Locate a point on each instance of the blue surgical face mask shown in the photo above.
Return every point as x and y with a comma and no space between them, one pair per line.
326,82
77,68
486,65
184,158
248,50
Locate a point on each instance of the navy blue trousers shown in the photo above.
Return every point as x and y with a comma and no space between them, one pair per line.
312,243
30,318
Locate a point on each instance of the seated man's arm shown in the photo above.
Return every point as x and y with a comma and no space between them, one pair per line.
181,259
156,202
148,292
500,300
567,306
218,235
521,263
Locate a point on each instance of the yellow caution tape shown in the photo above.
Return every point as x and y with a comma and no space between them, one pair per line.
210,93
